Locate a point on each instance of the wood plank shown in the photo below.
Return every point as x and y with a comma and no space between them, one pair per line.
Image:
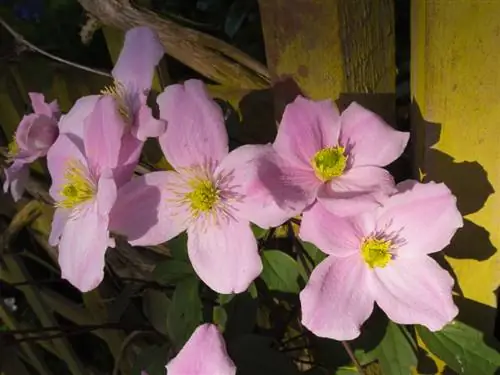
455,80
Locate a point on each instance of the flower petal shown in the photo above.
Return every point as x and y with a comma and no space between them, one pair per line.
415,291
368,139
340,236
106,192
195,134
61,216
408,214
41,107
204,353
16,177
225,256
147,212
145,125
265,186
307,127
336,302
358,190
141,52
128,158
104,128
73,121
36,133
82,248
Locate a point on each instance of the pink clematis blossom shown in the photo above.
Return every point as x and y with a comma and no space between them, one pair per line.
213,194
84,189
338,158
34,136
204,354
381,256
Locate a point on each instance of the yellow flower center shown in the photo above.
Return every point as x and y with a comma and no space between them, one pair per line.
78,187
118,92
13,148
203,197
329,162
376,252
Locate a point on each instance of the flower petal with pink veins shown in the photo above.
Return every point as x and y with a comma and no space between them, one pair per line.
408,214
357,190
340,236
104,128
336,302
73,121
204,354
368,139
41,107
224,255
141,52
82,248
106,192
195,133
61,216
414,291
145,125
36,133
267,188
147,212
306,127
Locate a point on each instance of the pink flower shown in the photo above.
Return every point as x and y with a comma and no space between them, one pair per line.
213,194
34,135
338,158
204,354
84,188
381,256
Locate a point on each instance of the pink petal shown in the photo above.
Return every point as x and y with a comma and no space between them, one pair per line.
414,291
336,302
368,139
82,247
73,121
358,190
16,177
128,158
195,134
205,353
141,52
36,133
104,128
266,185
106,192
340,236
225,256
61,216
307,127
41,107
147,212
408,214
145,125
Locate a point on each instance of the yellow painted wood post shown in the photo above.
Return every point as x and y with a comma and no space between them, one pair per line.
456,119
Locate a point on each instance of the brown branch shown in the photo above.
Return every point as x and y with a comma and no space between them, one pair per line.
209,56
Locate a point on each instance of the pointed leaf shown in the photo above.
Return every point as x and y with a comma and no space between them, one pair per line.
280,271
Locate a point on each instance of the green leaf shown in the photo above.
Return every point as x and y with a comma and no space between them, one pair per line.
316,254
241,315
253,355
258,232
151,360
155,305
346,371
172,271
280,271
185,311
178,247
462,348
396,352
238,12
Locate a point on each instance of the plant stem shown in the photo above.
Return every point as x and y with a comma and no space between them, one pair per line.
349,351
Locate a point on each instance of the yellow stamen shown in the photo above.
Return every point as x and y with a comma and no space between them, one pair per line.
329,162
376,252
203,197
78,187
13,148
118,92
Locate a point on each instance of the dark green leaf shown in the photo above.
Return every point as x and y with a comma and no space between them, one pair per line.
151,360
241,315
172,271
253,355
462,348
316,254
346,371
258,232
185,311
280,271
155,305
178,247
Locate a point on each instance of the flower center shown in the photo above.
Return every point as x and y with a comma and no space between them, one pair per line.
376,252
13,148
119,93
203,197
78,187
329,162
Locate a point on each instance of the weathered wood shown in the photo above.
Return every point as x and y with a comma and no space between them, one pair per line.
455,80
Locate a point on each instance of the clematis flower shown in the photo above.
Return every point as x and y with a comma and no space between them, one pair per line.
34,136
212,194
84,189
381,256
338,159
204,354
